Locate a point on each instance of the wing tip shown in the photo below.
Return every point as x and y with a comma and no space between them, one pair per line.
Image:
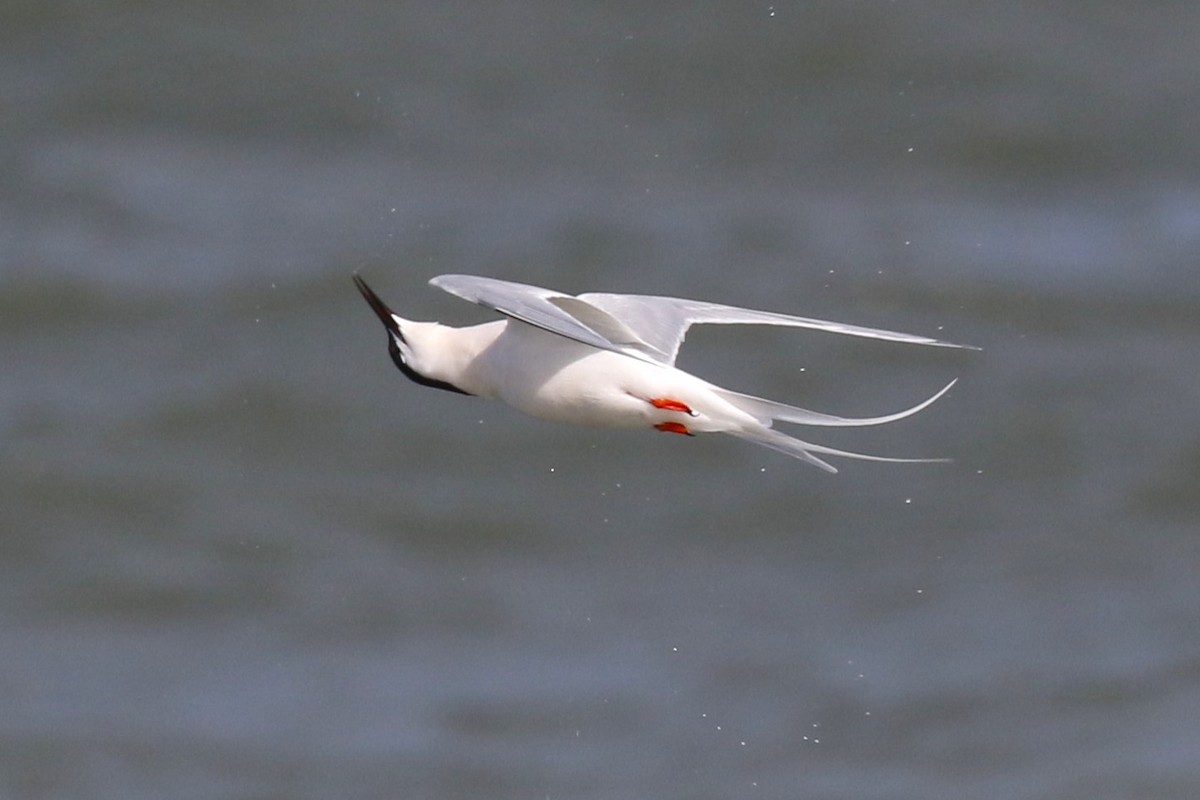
971,347
953,345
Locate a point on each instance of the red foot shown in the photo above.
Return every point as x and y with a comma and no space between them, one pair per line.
673,427
671,405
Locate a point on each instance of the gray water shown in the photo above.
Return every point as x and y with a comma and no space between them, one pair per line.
242,557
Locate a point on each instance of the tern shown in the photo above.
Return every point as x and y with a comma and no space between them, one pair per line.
609,360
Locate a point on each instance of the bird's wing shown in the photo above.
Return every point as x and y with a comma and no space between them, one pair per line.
552,311
643,326
662,322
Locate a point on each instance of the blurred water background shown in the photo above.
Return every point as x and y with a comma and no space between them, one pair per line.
242,557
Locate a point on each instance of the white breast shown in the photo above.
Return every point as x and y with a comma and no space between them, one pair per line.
554,378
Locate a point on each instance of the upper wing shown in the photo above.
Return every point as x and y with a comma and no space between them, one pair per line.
643,326
662,322
552,311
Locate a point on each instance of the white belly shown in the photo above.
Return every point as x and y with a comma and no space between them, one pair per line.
554,378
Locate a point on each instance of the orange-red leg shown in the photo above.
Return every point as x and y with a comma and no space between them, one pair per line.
673,427
668,404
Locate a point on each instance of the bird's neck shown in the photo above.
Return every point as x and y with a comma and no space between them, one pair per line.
452,354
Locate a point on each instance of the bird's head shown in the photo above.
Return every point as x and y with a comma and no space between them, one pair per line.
404,341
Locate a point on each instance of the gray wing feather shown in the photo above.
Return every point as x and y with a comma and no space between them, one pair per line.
643,326
551,311
663,321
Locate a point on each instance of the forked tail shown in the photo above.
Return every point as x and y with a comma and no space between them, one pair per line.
766,411
769,411
801,449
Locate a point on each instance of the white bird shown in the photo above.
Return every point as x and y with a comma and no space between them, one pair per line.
609,360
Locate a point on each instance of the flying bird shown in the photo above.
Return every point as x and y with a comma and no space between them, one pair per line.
609,360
